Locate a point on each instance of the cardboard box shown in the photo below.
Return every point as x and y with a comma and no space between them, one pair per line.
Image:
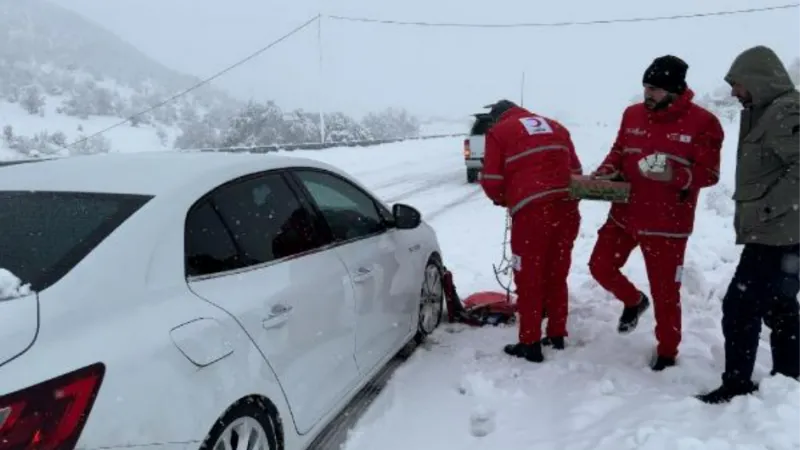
585,188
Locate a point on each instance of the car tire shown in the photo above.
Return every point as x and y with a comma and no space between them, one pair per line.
472,175
431,304
241,421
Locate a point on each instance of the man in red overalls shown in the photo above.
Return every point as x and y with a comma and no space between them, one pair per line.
528,163
667,148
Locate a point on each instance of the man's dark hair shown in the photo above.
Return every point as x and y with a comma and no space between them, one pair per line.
498,108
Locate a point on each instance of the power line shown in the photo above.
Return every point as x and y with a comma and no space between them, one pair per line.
204,81
561,24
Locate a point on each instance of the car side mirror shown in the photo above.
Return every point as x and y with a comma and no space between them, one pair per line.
406,217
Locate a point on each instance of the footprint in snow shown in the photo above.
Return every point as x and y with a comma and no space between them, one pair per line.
482,422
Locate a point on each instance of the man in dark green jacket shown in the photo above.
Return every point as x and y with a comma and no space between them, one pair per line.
767,222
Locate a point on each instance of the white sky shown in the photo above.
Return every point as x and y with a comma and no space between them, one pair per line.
585,70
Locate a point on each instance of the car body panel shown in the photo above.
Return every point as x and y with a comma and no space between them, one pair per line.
174,360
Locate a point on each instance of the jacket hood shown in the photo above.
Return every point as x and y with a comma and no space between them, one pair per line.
761,72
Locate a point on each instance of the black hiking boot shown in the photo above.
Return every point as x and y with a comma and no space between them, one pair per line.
630,315
530,352
774,372
727,392
556,342
661,363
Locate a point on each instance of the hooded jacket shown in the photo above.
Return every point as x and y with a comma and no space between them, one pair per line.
767,189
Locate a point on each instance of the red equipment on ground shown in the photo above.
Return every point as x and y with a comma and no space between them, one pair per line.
484,307
480,308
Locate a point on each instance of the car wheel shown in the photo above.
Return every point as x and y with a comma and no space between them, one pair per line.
472,175
431,306
245,425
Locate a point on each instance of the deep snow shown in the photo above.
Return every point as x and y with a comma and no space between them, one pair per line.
461,392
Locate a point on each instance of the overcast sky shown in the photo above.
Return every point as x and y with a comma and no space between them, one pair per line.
583,70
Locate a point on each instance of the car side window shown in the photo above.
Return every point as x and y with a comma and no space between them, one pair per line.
208,245
264,221
266,218
349,211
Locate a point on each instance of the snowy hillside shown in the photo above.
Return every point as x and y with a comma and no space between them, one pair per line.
63,78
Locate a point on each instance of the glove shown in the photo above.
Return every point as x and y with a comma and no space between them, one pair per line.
656,167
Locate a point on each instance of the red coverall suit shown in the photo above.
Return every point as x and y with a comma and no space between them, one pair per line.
528,164
659,217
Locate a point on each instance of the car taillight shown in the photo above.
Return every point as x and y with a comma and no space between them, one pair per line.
467,151
50,415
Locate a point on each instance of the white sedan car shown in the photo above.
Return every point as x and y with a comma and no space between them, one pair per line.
180,300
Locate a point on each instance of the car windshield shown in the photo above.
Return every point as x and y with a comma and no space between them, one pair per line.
43,235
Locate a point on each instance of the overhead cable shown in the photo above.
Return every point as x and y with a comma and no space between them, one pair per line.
561,24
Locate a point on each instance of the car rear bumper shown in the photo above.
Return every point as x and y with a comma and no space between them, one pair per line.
474,163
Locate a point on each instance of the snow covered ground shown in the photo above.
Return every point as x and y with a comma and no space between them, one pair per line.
461,392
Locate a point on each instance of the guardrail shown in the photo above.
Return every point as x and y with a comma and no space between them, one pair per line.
321,146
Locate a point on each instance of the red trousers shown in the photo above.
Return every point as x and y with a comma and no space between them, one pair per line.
663,260
542,237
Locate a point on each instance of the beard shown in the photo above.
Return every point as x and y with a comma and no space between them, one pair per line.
744,100
654,105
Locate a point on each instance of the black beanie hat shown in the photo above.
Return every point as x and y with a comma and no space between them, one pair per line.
667,72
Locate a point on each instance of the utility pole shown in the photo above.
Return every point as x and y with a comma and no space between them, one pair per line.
522,90
321,82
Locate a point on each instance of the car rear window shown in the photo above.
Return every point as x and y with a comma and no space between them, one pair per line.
43,235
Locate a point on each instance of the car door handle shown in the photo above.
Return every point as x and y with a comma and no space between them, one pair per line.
414,248
362,274
278,315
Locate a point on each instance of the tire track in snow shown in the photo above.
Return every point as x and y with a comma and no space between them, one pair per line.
453,204
423,186
398,180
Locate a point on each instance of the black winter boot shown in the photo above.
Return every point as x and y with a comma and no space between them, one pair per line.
530,352
727,392
662,362
556,342
630,315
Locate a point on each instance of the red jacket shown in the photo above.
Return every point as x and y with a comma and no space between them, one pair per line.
691,137
528,158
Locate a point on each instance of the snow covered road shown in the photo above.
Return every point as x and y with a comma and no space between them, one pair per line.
461,392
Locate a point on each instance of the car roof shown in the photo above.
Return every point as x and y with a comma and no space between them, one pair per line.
146,173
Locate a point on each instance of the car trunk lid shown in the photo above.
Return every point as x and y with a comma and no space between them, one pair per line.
19,317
